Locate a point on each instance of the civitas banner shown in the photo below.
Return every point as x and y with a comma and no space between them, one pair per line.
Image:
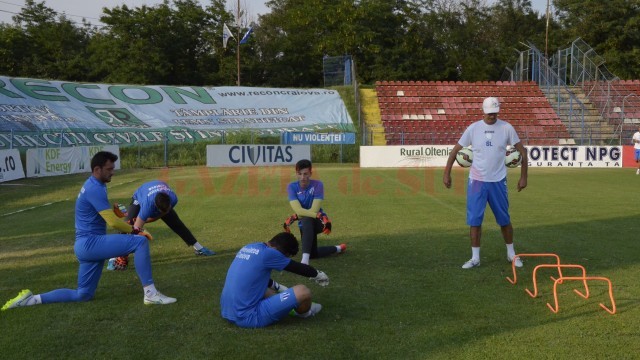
74,112
64,161
256,155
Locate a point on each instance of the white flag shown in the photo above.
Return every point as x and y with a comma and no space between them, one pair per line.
226,34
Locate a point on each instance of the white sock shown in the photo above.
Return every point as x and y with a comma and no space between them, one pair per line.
197,246
339,248
34,300
150,290
305,258
475,253
510,251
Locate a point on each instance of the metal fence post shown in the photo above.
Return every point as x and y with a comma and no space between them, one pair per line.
166,150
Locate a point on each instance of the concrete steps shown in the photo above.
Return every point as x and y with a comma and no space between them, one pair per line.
371,116
595,131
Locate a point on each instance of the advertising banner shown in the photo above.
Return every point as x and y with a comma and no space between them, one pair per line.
405,156
256,155
575,156
10,165
64,161
318,138
42,113
539,156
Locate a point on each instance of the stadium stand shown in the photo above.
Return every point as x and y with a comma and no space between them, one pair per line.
437,112
618,101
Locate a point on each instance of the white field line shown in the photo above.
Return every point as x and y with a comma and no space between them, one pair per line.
55,202
33,207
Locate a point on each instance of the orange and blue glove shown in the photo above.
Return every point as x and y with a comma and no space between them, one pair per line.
142,232
290,220
326,223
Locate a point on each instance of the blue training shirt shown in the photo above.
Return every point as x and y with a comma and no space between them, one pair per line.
315,190
91,200
145,197
247,279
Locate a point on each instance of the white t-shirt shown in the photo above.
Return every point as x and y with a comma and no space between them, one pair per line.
489,145
636,136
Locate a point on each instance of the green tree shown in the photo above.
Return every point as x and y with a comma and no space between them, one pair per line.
611,27
42,44
170,43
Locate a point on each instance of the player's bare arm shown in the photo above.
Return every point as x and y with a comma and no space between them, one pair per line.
446,177
524,167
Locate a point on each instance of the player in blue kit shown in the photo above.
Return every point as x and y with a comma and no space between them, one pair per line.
488,138
305,198
249,298
93,246
152,201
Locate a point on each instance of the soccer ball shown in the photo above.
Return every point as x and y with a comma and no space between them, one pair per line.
512,158
464,157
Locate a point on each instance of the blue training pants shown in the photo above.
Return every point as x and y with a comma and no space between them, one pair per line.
91,252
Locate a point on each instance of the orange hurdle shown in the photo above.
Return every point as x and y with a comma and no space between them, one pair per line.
584,278
513,265
535,282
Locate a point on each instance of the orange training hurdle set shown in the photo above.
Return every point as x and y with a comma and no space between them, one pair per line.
556,281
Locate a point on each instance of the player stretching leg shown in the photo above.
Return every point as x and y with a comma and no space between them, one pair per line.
93,246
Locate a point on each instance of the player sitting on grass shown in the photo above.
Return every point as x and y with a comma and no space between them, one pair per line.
305,198
152,201
93,246
249,298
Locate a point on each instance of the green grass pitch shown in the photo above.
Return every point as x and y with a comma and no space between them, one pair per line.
397,293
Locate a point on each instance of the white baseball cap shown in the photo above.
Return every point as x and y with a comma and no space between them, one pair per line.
491,105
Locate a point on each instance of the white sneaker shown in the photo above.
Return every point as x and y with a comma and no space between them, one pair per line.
314,309
518,262
471,263
158,299
638,172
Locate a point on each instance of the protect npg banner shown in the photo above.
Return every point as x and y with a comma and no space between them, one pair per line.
10,165
256,155
41,113
575,156
64,161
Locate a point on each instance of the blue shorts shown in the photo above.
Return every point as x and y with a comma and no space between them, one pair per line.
637,154
479,193
270,310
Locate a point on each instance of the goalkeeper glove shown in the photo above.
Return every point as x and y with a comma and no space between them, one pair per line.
290,220
321,279
141,232
326,223
118,263
120,210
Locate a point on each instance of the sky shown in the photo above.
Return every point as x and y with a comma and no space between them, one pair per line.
92,9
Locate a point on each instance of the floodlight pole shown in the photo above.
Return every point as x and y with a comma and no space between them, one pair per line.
546,35
238,42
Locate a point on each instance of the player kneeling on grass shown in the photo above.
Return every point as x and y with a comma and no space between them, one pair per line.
93,246
251,299
152,201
